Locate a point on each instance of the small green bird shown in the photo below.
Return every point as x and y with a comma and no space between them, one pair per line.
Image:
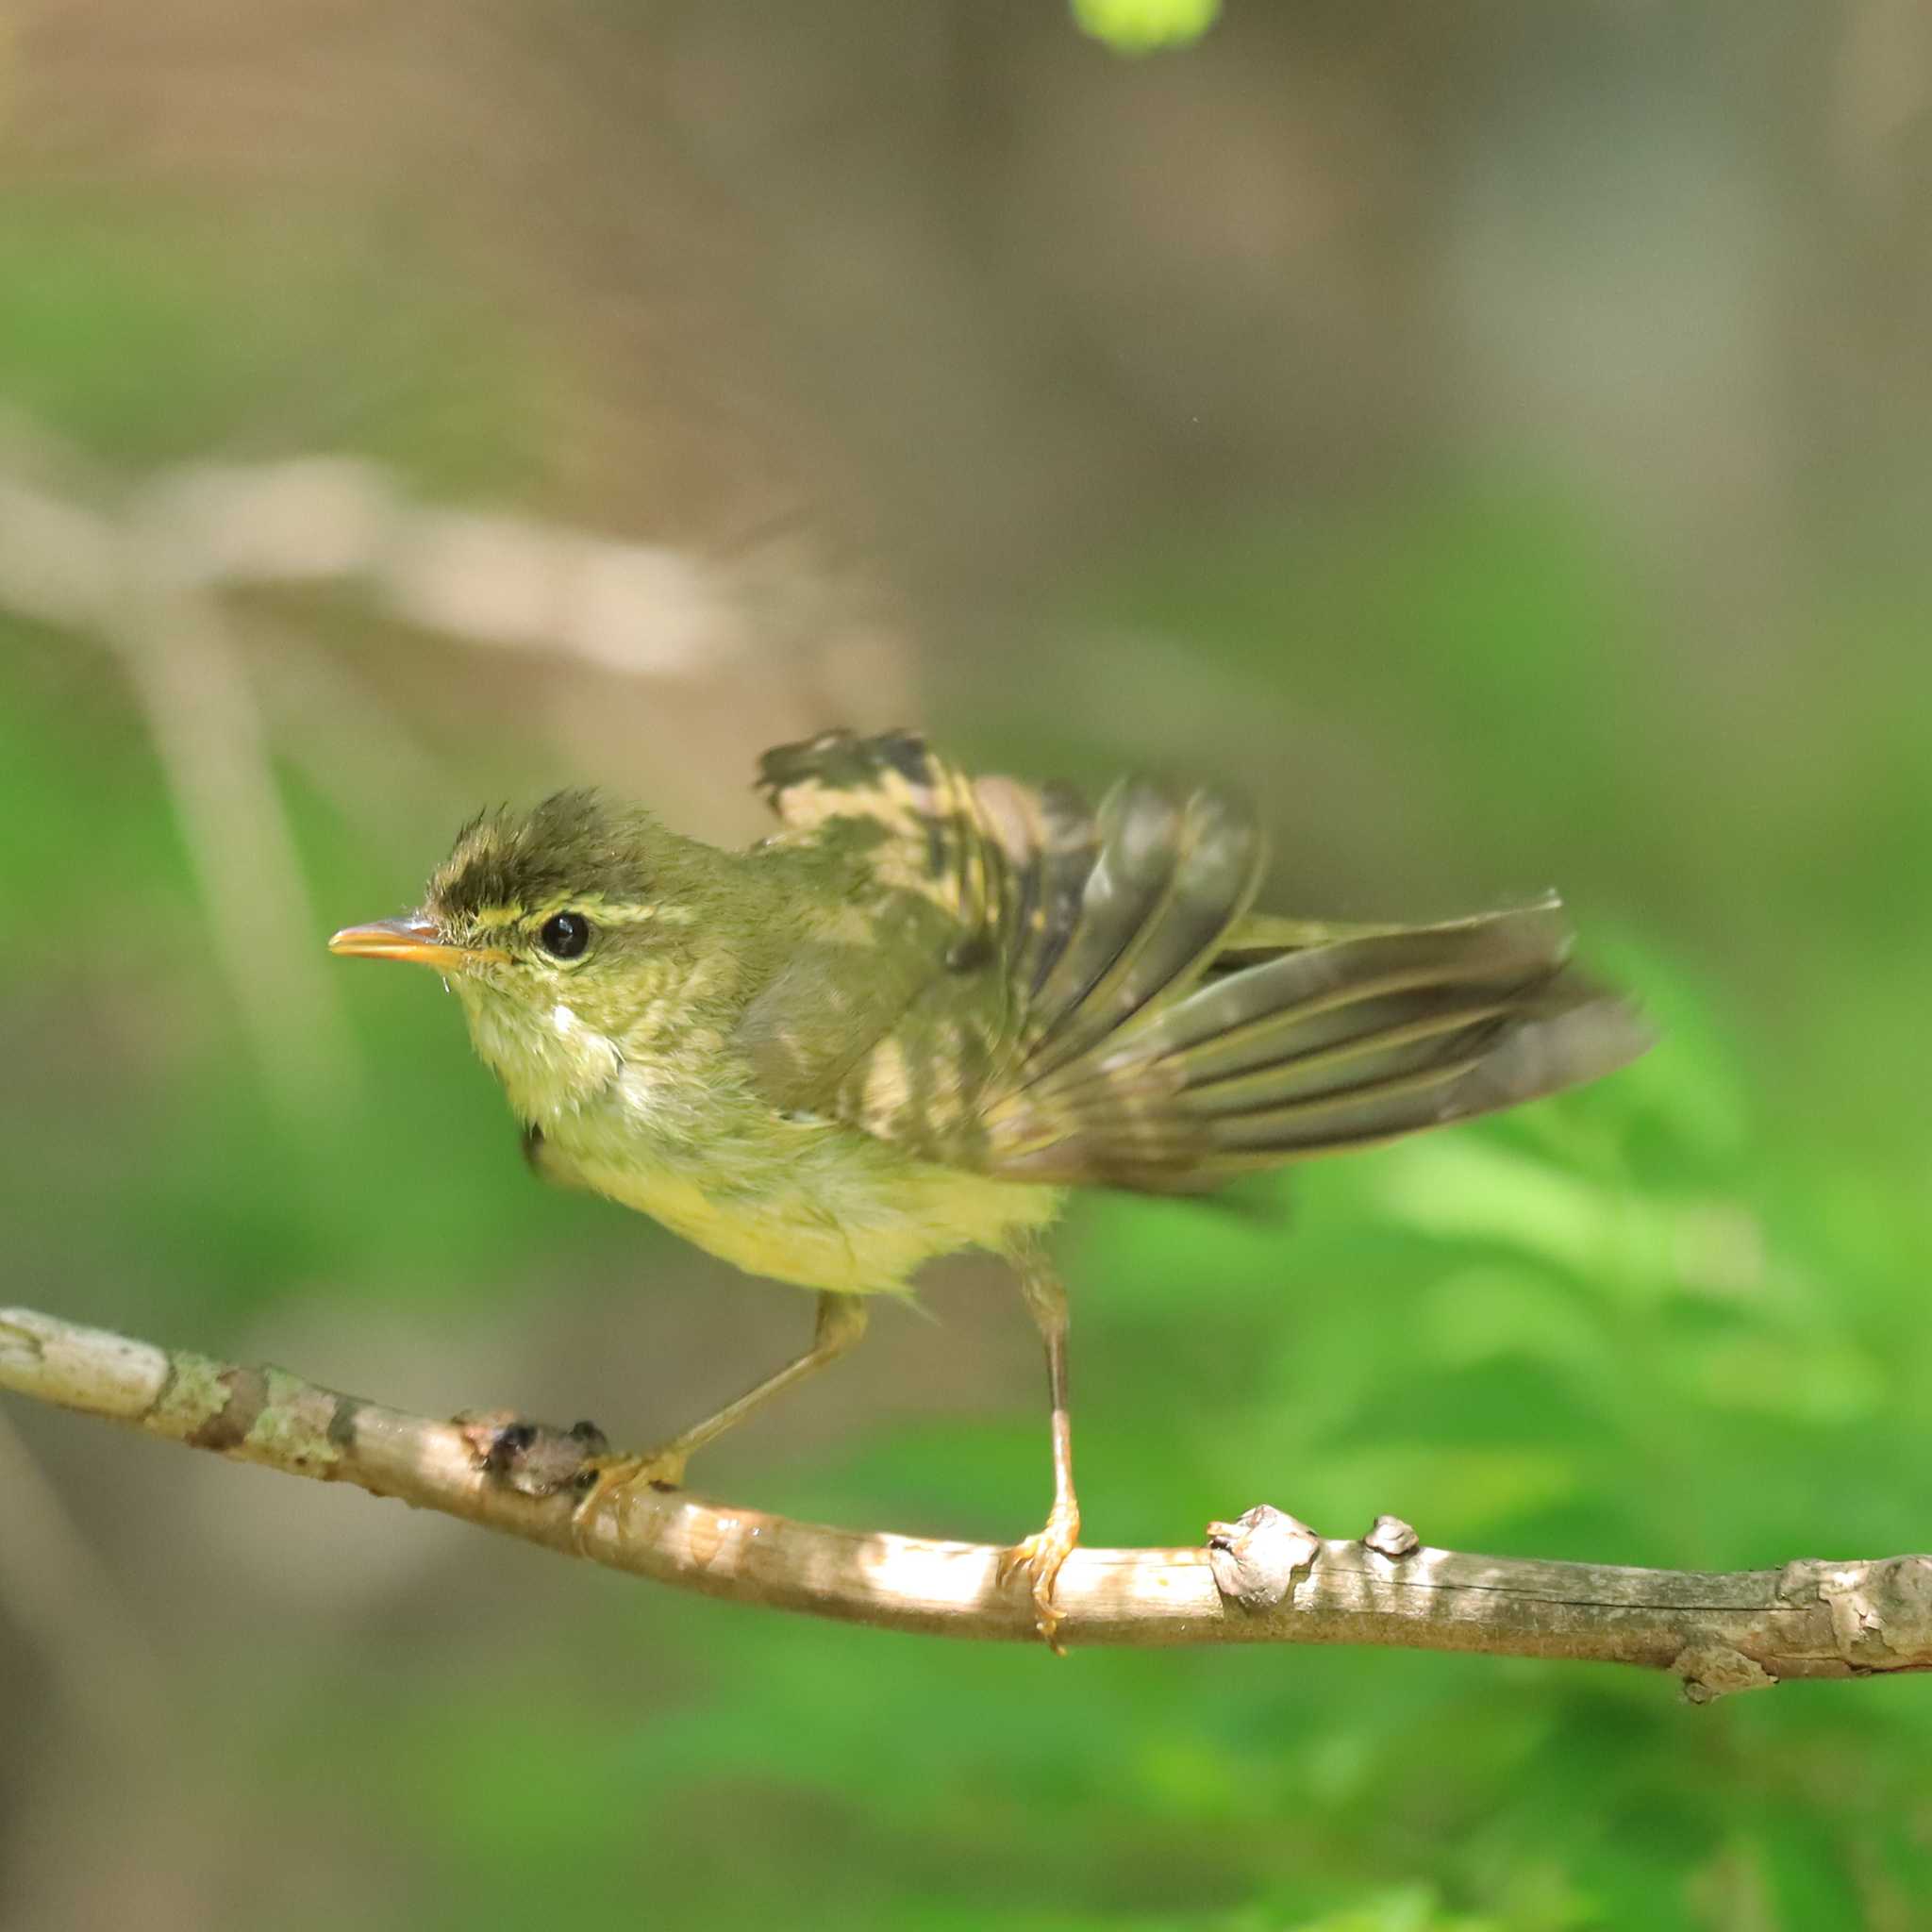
911,1019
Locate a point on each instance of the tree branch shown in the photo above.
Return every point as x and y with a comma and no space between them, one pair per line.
1265,1579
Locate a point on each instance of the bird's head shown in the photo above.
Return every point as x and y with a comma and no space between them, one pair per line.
573,935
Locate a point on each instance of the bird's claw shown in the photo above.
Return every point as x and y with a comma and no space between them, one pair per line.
604,1476
1040,1557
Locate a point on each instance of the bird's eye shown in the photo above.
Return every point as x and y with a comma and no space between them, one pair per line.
565,934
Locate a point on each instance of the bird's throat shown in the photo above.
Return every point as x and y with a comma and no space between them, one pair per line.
552,1063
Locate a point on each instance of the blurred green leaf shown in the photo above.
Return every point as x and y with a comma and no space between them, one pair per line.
1141,26
147,334
1412,1910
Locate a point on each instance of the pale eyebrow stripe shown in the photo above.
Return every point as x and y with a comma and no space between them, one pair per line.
593,904
595,907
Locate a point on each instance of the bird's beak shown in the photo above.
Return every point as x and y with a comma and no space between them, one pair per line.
405,938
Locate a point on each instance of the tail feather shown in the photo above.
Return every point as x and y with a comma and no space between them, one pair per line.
1529,1055
1330,1047
1258,1085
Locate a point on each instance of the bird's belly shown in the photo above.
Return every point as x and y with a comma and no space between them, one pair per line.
843,1212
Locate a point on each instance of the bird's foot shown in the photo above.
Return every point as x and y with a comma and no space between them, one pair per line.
602,1477
1038,1557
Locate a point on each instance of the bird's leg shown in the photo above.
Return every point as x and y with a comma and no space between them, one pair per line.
842,1320
1040,1555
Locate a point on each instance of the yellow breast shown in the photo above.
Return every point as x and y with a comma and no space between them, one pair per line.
840,1213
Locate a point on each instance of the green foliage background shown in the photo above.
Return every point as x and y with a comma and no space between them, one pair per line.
1677,1319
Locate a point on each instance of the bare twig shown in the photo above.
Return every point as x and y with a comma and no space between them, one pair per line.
1263,1579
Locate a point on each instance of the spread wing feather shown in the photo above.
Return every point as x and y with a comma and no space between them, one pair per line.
1088,997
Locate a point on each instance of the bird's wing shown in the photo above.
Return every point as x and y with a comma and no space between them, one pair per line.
1257,935
897,1014
1048,994
1319,1049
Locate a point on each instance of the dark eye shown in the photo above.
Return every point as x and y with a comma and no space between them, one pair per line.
565,934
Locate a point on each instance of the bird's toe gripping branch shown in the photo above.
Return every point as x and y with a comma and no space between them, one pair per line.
607,1476
1040,1559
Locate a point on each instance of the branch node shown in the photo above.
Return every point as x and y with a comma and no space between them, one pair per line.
534,1458
1798,1582
1710,1668
1881,1612
1389,1535
1256,1558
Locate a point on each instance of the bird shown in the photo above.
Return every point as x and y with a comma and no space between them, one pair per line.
930,1005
